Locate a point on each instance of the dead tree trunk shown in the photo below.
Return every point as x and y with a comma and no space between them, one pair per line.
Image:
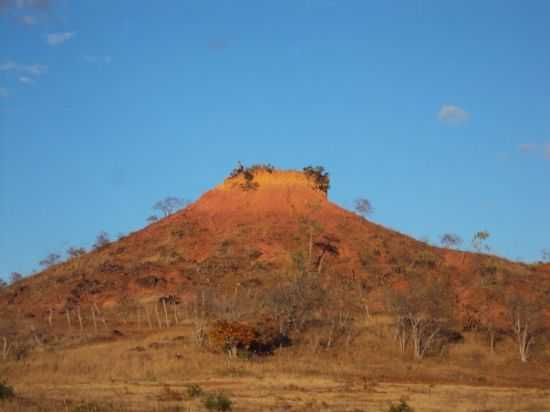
68,315
149,323
524,337
5,348
79,315
159,321
176,320
165,313
94,320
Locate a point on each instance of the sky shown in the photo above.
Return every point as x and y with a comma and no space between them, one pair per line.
436,111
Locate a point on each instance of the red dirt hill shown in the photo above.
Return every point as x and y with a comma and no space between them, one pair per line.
256,229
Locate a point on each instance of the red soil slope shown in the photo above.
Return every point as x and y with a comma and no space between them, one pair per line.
239,236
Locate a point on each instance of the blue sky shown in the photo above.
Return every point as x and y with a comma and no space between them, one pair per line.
437,111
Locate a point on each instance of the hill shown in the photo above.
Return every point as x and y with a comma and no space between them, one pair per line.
257,229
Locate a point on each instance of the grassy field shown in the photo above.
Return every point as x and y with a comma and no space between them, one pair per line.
151,371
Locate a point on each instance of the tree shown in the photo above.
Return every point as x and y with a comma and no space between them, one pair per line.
101,240
152,219
450,240
363,207
169,205
320,177
421,312
545,255
75,252
328,247
478,241
15,277
50,260
3,284
526,316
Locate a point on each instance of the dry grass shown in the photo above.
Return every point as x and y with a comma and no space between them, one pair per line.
149,371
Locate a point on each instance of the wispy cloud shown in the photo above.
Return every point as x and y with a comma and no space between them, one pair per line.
453,115
217,44
98,59
25,80
30,69
21,4
28,20
537,149
528,147
55,39
3,92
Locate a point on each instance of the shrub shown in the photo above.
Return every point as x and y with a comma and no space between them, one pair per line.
217,402
6,392
194,391
244,341
401,407
230,336
93,407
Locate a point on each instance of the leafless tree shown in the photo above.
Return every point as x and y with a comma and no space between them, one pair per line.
526,316
295,303
478,241
152,219
545,254
328,247
450,241
50,260
75,252
363,207
101,240
169,205
15,277
422,311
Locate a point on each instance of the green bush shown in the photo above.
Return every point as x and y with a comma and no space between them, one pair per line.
217,402
6,392
401,407
194,391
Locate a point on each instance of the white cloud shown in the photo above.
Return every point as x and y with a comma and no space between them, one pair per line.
25,80
55,39
3,92
30,69
453,115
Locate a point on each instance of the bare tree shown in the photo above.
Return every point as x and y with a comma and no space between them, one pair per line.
363,207
75,252
169,205
421,311
478,241
15,277
545,254
450,241
152,219
328,247
294,304
50,260
101,240
526,316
